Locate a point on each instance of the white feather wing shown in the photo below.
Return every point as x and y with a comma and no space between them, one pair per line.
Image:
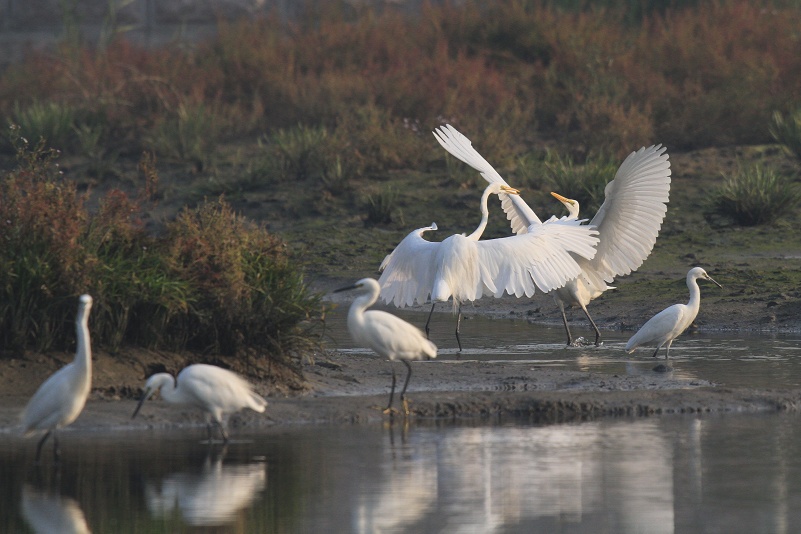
631,216
520,215
540,259
408,271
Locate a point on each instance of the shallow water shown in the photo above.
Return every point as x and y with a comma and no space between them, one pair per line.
688,474
668,474
732,359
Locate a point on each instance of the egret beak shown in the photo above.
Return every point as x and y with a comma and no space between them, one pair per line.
711,280
145,396
560,198
347,288
509,190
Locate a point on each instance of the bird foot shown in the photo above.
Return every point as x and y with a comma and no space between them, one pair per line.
406,407
390,411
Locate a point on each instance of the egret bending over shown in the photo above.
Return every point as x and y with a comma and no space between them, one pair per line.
216,391
387,335
465,268
668,324
628,221
61,398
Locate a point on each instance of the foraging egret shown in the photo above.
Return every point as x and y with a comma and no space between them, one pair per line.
217,391
387,335
667,325
628,221
61,398
465,268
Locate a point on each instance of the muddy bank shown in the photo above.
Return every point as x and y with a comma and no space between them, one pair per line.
354,389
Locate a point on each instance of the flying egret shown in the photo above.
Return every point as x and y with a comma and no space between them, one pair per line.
668,324
61,398
628,221
216,391
387,335
465,268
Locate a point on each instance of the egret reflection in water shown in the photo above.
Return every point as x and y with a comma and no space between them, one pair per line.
212,497
51,513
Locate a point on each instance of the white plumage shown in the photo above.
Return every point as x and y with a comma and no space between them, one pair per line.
465,268
628,221
667,325
61,398
216,391
387,335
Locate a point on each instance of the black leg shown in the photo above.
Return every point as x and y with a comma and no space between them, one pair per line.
594,327
56,449
223,433
39,447
657,350
429,317
458,324
567,328
405,385
391,391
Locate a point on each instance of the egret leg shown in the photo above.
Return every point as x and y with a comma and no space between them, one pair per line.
223,433
405,385
567,328
56,449
39,447
429,317
388,409
667,352
458,324
657,350
594,326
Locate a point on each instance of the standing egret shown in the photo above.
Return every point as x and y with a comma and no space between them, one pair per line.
628,221
465,268
61,398
216,391
387,335
668,324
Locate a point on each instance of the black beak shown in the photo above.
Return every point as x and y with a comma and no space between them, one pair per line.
354,286
138,406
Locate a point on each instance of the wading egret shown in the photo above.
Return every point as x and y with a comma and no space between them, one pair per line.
465,268
668,324
628,221
61,398
389,336
216,391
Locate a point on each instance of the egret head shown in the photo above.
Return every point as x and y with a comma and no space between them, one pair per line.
699,273
496,188
571,205
153,386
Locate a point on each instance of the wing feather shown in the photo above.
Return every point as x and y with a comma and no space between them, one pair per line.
408,271
631,216
540,259
520,215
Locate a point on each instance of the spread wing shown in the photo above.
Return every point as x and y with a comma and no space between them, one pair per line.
631,216
408,271
541,258
520,215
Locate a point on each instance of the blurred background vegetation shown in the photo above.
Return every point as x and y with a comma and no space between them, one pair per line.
116,150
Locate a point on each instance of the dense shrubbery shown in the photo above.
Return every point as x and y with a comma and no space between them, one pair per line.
213,282
594,78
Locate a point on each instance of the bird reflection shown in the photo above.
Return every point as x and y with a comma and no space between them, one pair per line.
211,497
52,513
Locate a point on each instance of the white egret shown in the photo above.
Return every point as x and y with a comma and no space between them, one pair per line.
389,336
216,391
61,398
465,268
667,325
628,221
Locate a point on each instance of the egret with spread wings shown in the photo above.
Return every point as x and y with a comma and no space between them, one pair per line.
628,221
465,268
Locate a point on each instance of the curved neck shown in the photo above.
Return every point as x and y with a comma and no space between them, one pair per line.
476,235
695,293
83,353
169,390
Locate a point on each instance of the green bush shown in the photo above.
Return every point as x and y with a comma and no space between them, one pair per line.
787,131
754,195
51,121
213,282
302,151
